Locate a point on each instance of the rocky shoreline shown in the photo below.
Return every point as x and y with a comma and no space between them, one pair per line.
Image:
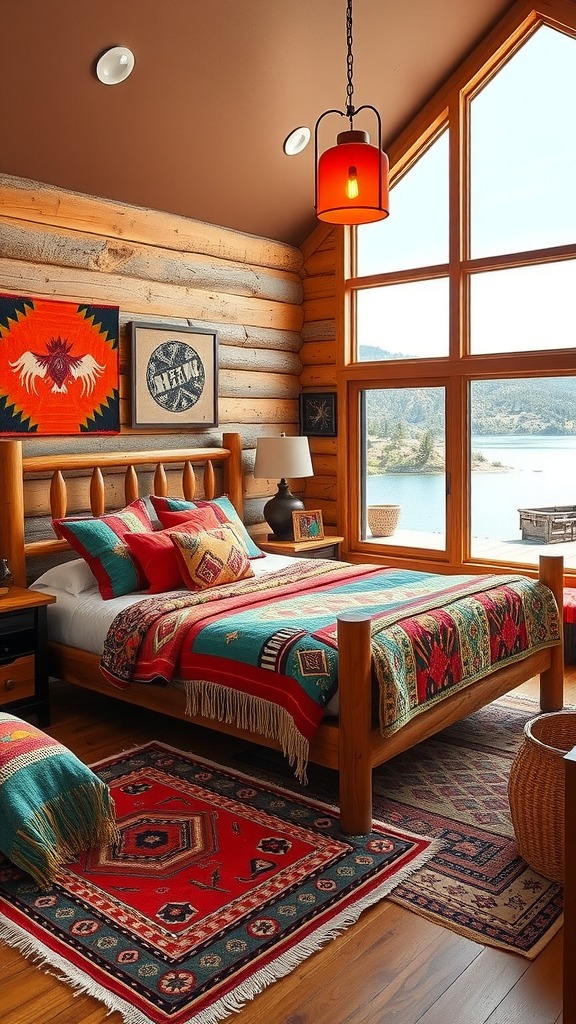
418,455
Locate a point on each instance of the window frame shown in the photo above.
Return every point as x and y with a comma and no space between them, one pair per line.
448,110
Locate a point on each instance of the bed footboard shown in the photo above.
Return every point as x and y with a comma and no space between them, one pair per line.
361,748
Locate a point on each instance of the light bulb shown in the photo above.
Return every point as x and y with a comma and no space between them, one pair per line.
352,184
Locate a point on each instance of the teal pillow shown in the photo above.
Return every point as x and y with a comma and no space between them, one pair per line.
101,543
223,509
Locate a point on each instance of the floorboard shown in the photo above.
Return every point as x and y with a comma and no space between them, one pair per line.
392,967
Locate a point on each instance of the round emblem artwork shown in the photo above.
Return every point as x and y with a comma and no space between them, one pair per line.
175,376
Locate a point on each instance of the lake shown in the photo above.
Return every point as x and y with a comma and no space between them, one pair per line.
542,471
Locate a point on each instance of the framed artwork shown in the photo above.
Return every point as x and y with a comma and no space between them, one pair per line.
174,376
308,525
59,368
318,413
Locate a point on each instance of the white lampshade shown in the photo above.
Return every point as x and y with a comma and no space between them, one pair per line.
283,457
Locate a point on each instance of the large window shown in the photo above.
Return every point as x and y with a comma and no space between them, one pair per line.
461,388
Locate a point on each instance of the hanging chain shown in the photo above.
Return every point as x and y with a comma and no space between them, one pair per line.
349,65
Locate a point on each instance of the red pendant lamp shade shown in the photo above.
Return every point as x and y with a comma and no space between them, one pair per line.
352,181
351,178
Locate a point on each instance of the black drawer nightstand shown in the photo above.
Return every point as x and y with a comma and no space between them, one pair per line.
24,653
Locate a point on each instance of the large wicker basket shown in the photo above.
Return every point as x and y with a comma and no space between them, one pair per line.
536,791
383,519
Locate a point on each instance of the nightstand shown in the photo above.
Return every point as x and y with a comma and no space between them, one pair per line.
327,548
24,653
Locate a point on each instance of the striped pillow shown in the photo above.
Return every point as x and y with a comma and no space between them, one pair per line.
100,542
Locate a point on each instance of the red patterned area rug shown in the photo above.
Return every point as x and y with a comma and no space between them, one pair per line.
220,884
455,787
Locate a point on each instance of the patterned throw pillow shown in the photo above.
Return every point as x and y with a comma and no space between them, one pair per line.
212,558
157,556
101,543
222,507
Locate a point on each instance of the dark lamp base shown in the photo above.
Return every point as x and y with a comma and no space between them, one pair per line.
278,512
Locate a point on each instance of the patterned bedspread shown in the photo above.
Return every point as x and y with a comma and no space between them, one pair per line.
263,652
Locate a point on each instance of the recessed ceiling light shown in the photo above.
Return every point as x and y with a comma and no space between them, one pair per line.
115,65
296,141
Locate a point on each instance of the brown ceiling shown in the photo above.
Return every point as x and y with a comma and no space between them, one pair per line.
198,127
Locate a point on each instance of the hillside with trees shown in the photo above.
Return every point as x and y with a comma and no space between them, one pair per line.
405,427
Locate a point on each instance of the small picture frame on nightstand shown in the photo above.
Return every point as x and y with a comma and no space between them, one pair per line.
308,525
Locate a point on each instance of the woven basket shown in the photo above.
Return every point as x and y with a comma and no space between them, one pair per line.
536,791
383,519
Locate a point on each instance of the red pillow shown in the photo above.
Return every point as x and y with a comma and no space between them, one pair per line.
191,515
157,556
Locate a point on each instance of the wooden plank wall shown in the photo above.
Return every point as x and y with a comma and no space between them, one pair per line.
159,267
318,355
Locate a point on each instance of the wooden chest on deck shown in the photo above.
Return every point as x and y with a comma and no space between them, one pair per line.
549,525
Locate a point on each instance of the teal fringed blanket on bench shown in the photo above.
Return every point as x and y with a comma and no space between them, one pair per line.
51,805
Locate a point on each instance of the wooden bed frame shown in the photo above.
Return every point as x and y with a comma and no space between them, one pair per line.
349,744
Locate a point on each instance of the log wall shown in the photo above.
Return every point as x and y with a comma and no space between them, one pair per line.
157,267
318,355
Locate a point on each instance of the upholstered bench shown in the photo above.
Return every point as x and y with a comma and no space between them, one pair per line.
51,805
570,625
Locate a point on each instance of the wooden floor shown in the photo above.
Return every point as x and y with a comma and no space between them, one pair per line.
392,967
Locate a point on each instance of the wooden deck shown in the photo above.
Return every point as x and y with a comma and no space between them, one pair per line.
515,552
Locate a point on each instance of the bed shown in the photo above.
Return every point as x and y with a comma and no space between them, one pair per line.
349,741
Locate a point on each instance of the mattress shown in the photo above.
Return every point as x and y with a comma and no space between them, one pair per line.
80,618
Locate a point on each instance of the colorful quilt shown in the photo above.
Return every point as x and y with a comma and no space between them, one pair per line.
263,652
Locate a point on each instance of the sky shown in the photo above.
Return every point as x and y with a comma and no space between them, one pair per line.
523,166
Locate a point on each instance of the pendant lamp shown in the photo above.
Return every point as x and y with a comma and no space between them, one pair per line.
351,178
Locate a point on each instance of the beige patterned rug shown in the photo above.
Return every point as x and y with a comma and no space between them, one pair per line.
454,787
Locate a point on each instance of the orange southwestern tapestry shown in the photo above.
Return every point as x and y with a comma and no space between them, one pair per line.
58,367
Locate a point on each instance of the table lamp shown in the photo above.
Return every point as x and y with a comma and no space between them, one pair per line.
283,457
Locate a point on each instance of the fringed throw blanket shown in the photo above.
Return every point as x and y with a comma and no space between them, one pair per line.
51,805
262,652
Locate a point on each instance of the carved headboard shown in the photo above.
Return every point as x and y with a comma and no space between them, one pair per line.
15,470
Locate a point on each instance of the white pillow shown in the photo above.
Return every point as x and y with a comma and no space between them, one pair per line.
74,577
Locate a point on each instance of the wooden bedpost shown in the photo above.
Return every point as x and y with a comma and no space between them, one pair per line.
12,509
355,722
569,937
551,573
233,478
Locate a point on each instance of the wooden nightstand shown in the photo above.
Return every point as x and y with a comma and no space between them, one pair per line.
24,653
327,548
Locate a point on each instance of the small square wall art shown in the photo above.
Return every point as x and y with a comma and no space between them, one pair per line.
59,371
